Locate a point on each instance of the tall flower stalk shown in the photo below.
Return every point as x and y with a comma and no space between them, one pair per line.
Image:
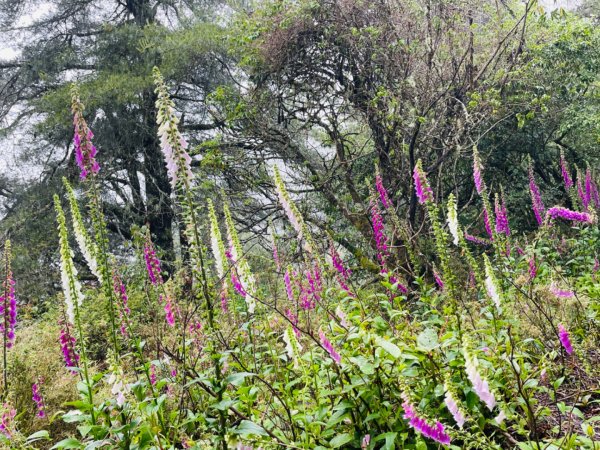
241,270
96,252
536,197
8,309
72,292
178,161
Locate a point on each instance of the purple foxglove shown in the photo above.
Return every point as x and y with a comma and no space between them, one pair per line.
564,338
379,233
564,168
37,398
557,212
383,195
536,198
152,263
85,151
435,432
422,189
328,346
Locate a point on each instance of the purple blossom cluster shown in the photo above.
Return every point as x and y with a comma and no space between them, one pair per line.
435,432
67,346
557,212
37,398
152,263
169,316
487,223
343,274
502,226
536,198
383,195
532,268
381,239
328,346
564,338
85,151
564,168
422,189
237,284
476,240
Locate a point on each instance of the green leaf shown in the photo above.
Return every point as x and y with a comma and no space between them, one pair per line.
340,440
68,443
246,428
42,434
363,364
427,340
392,349
237,378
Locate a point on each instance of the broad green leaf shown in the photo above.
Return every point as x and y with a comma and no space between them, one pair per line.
340,440
392,349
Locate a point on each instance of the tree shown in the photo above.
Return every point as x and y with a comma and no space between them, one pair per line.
109,48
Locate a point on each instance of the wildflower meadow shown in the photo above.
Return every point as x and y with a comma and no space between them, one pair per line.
403,286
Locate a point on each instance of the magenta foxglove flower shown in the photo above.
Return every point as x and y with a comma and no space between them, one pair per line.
67,346
379,232
476,240
588,188
435,432
566,214
383,195
152,374
501,217
422,189
536,198
37,398
337,262
237,285
395,282
288,285
564,168
152,263
487,224
532,268
565,340
169,316
328,346
85,151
